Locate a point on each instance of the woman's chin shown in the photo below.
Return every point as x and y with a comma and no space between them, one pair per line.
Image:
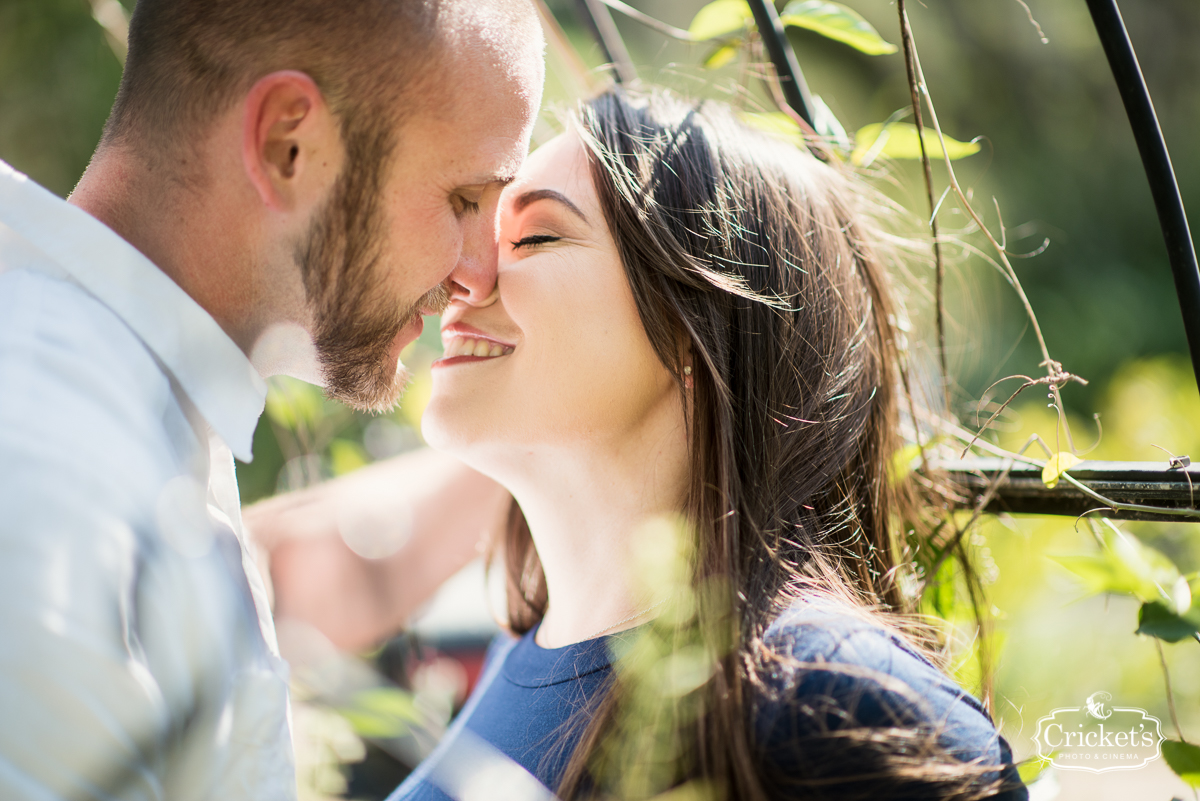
476,437
434,430
450,427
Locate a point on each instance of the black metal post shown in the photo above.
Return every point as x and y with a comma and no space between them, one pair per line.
604,29
1153,149
791,79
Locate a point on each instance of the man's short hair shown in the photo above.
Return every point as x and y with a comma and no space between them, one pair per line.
189,60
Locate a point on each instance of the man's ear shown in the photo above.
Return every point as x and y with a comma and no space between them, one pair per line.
291,149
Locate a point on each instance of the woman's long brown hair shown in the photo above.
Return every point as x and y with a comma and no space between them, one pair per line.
762,260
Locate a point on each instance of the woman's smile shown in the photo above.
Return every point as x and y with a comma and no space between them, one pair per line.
463,344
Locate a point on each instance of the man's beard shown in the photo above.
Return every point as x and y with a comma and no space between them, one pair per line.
356,321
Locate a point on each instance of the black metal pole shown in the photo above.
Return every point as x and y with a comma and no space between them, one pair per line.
604,29
1145,485
791,80
1156,160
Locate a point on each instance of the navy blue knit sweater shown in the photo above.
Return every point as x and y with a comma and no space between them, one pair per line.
838,671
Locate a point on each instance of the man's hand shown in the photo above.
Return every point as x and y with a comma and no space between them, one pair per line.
356,556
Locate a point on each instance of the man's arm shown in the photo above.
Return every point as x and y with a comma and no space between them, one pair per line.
356,556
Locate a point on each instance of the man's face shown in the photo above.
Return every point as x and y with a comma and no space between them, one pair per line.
388,247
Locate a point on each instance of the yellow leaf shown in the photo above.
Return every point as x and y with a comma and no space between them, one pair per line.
722,55
902,461
773,122
721,18
1059,463
899,141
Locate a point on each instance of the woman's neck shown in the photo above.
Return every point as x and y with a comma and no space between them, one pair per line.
585,508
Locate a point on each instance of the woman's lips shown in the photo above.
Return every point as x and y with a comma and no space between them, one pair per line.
464,343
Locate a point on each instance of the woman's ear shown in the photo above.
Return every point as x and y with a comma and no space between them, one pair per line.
687,375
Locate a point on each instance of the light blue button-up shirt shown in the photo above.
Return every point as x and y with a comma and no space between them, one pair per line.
137,654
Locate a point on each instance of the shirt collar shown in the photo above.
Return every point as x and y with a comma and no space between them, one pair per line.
530,665
217,377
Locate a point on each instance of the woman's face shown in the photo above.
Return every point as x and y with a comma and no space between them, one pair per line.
559,358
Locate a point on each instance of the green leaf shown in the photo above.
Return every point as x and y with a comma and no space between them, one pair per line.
292,403
1181,596
279,410
1124,565
721,18
381,712
826,124
835,21
900,141
1030,770
941,591
388,701
695,790
723,55
902,461
1157,620
1184,759
1058,464
684,671
1100,574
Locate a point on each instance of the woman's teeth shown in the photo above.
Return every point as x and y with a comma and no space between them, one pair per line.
462,346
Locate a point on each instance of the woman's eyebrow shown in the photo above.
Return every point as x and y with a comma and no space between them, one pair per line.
534,195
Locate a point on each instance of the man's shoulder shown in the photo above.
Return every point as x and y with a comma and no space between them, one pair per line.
84,405
61,348
40,302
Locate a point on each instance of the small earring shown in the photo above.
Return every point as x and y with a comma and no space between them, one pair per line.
687,369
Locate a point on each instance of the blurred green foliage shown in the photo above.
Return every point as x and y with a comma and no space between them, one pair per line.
1184,759
58,78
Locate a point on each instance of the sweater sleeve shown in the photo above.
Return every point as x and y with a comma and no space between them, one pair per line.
848,710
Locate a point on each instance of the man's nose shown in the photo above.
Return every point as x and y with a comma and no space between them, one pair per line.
473,279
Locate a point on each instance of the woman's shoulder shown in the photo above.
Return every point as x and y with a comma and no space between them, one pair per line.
824,634
838,689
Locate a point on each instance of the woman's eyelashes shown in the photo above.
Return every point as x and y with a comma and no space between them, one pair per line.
534,240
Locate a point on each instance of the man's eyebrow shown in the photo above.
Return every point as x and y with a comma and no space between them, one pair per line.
500,179
534,195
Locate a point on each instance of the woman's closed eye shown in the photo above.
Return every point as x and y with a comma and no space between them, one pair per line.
534,240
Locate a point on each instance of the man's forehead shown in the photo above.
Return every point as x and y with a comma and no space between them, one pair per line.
478,111
496,160
466,151
490,62
507,34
